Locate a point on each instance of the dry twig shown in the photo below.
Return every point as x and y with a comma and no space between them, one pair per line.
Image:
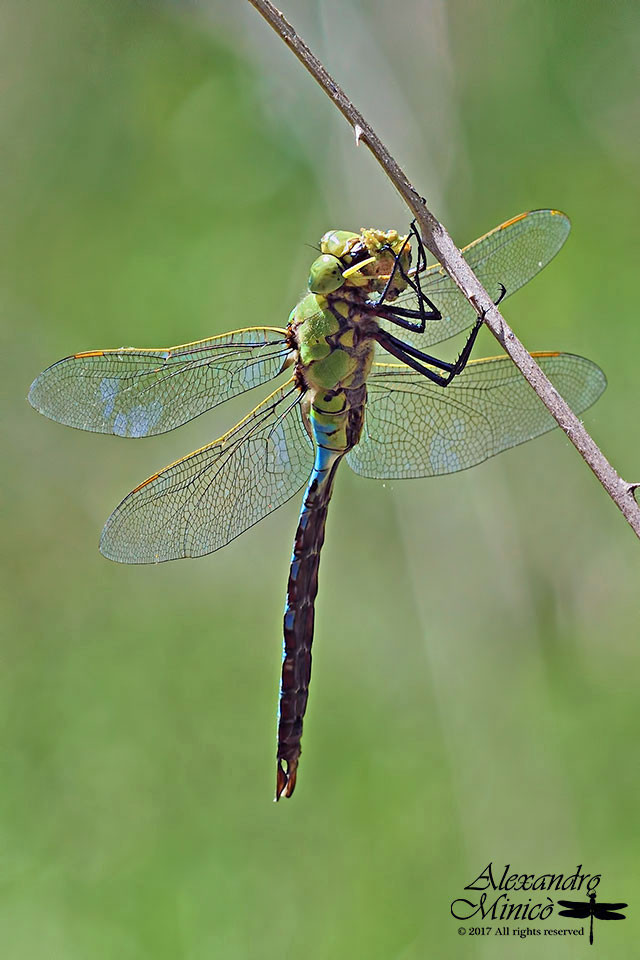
438,241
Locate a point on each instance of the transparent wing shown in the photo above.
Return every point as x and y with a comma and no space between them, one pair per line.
511,254
140,393
200,503
414,428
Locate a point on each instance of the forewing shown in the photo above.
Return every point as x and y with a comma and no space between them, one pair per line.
602,911
414,428
578,911
140,393
200,503
511,255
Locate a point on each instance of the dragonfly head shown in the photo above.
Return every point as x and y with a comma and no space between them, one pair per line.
325,275
362,260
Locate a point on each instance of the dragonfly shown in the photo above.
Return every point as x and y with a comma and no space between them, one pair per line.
581,909
358,385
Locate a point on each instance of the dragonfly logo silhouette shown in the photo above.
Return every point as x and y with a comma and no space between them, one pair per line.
581,909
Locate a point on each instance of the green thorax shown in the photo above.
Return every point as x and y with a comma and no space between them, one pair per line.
332,328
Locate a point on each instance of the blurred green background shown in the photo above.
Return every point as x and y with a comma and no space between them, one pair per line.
476,664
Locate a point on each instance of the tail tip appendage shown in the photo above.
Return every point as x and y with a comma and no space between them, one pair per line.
285,780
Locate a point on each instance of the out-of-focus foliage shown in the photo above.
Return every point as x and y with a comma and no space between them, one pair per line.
476,665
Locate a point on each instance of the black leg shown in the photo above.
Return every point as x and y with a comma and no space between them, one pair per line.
396,315
503,293
388,340
416,287
389,343
432,313
396,265
421,264
427,309
393,314
416,359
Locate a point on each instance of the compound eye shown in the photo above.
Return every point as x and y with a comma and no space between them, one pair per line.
325,275
335,241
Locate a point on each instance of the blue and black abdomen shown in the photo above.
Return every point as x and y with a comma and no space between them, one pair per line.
334,434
